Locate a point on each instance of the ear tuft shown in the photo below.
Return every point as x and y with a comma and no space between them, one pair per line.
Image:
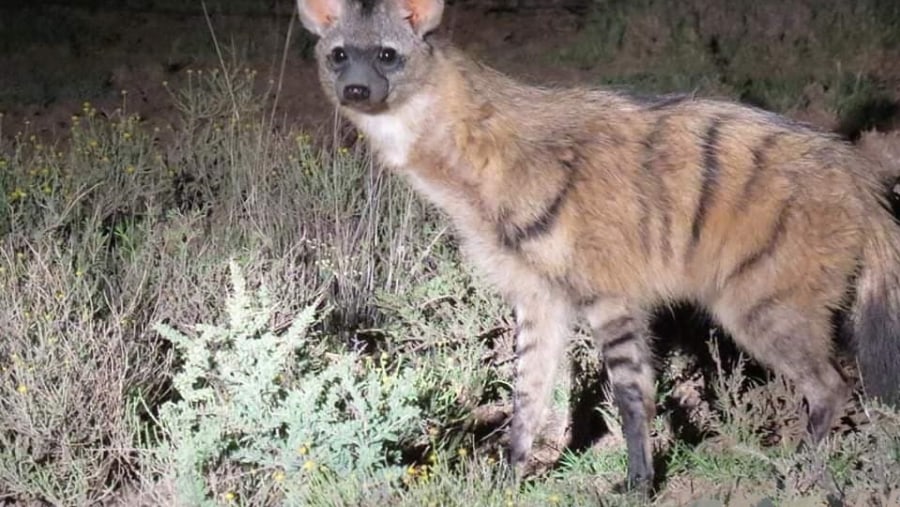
423,15
319,15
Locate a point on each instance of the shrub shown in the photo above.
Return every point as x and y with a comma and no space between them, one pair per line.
262,412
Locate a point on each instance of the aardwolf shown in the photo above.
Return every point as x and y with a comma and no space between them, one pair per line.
584,203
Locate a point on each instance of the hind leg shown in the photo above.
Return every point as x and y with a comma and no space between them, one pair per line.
787,333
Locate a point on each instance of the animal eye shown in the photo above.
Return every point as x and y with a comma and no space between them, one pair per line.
338,55
387,55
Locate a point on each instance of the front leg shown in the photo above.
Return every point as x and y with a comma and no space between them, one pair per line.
543,326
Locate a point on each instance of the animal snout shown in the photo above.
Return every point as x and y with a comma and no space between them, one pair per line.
356,93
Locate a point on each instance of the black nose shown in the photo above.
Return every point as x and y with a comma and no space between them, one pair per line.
356,93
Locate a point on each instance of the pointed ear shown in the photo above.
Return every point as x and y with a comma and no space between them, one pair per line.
319,15
423,15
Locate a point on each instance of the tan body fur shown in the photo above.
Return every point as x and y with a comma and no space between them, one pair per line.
594,204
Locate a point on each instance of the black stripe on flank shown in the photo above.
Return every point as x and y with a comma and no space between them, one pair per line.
649,144
662,201
760,162
644,223
620,341
665,244
772,242
512,235
710,180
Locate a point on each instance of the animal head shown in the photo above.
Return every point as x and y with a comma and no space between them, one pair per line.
372,54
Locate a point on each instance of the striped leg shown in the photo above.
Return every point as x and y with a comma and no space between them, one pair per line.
621,333
543,329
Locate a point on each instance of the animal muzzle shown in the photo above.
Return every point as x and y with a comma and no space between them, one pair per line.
362,87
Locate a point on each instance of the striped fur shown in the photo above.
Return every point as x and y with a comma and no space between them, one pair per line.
583,203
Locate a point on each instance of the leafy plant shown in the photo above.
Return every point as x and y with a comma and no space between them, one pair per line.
276,408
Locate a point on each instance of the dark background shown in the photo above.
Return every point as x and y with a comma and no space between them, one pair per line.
829,62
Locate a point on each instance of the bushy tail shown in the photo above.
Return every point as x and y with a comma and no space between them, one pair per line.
876,315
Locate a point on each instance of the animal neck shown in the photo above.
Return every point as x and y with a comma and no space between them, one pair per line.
453,142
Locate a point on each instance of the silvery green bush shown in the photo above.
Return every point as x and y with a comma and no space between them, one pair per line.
262,414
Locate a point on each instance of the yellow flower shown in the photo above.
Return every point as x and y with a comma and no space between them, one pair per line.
92,143
554,499
229,496
129,169
309,466
278,476
303,450
462,452
22,389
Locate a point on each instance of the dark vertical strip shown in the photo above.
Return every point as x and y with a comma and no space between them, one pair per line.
776,234
760,162
651,183
710,181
